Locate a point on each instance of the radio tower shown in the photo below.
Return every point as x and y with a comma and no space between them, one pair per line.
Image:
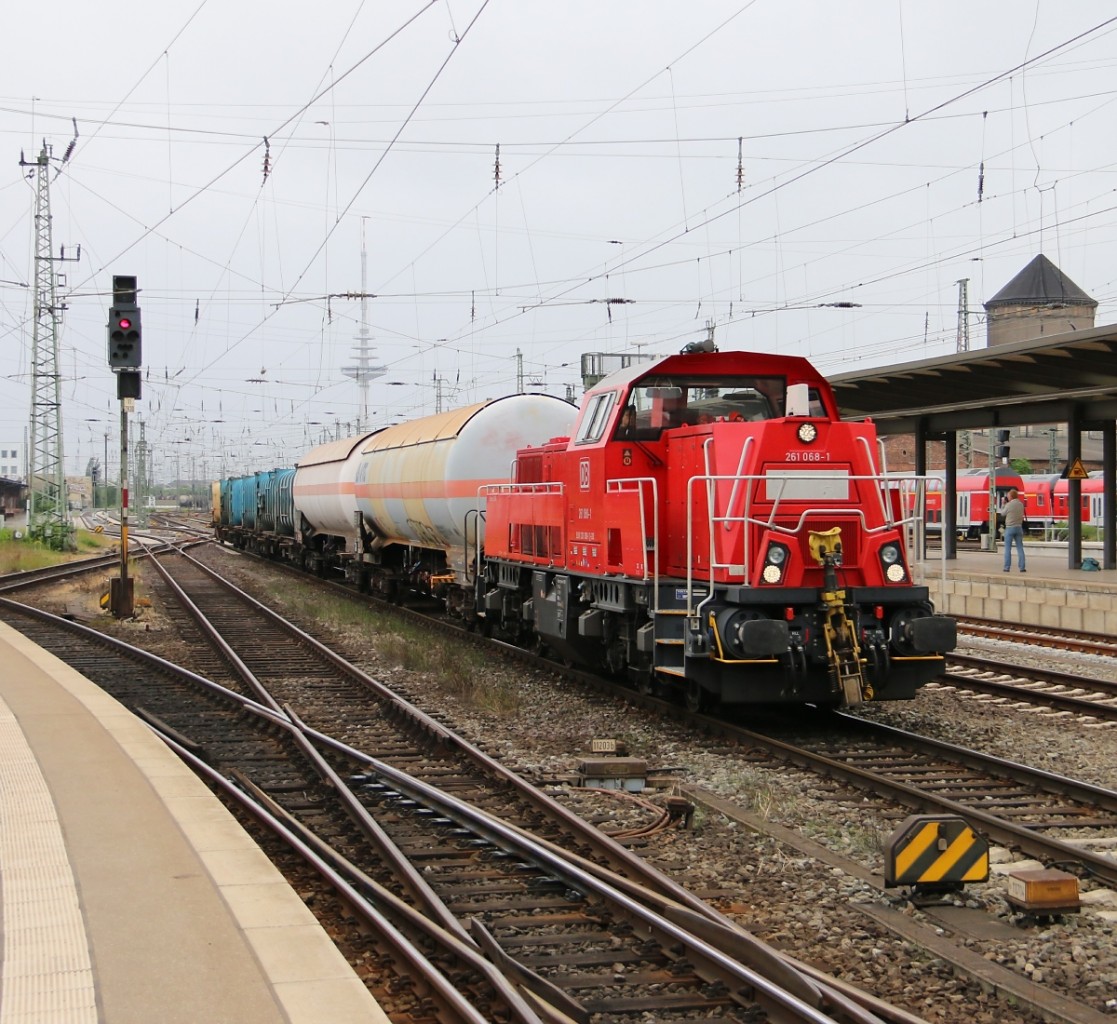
364,371
47,516
965,439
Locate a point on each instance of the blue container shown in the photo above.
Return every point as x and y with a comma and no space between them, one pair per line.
243,512
275,502
226,510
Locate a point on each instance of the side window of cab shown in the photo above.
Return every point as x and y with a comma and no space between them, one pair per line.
596,416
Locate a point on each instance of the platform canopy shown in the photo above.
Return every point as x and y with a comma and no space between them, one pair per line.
1055,378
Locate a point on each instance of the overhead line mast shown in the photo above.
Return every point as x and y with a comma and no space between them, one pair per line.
48,518
965,438
364,370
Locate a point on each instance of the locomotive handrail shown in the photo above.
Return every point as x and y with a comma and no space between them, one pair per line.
885,511
545,486
477,515
749,441
881,484
617,486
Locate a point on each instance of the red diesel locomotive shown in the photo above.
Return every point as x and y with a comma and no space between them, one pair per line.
713,528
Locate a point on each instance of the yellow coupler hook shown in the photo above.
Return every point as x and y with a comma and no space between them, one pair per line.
842,647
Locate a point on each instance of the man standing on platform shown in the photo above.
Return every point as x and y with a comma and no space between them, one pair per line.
1014,529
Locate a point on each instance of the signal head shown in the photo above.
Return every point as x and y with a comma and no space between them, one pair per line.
124,338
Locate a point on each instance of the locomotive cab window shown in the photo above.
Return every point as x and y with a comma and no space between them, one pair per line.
666,402
595,418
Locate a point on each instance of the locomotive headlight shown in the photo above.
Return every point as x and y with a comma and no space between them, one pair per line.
807,432
777,554
894,570
774,561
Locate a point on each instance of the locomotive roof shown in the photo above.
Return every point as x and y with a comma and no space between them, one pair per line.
717,364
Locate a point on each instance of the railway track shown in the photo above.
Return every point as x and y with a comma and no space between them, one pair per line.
577,934
1072,692
14,581
1046,816
744,748
1059,639
1010,802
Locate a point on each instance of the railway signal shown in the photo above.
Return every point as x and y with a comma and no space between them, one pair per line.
1002,444
125,338
125,359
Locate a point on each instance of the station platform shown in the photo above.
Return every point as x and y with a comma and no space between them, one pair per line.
128,893
1050,593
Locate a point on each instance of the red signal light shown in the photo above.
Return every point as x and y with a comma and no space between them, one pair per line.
124,323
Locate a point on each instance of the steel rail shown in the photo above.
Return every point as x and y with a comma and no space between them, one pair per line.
1004,832
79,566
359,902
781,1004
1054,677
625,864
1062,639
1013,691
742,942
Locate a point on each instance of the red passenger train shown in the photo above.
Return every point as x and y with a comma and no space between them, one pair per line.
709,527
971,518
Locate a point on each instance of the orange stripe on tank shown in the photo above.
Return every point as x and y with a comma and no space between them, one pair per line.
405,491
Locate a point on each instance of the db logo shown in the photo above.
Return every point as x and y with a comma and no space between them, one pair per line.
584,474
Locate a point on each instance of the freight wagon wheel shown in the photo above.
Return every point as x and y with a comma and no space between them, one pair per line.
479,625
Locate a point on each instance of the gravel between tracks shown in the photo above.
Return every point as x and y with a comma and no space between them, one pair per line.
786,897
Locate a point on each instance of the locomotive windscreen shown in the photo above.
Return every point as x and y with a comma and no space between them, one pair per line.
705,399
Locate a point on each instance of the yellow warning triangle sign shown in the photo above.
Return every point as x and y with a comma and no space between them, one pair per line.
1077,471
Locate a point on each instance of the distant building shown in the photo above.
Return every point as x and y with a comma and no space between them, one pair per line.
1040,300
12,462
13,498
79,491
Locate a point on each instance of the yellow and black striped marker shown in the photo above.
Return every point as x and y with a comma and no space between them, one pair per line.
935,853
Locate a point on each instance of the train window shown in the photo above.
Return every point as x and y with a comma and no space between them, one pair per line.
662,401
595,418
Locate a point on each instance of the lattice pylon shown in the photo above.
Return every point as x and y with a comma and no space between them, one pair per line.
48,517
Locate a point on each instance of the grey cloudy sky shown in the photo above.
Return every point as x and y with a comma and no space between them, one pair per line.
888,149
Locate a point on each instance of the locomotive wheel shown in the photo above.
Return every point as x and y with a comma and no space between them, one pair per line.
695,698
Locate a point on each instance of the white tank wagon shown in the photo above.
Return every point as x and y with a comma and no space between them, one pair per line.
418,484
324,495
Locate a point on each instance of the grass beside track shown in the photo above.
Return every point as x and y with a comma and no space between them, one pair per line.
454,667
23,555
